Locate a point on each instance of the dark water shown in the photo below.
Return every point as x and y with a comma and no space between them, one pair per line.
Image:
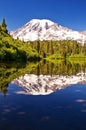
61,109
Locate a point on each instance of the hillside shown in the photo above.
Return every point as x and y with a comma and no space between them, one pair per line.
11,49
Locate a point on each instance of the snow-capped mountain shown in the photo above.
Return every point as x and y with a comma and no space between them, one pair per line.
46,84
46,30
84,32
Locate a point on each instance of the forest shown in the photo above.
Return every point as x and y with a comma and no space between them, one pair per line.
14,49
59,49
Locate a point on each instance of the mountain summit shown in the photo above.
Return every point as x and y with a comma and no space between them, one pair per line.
46,30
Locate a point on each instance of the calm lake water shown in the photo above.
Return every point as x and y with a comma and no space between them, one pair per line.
43,96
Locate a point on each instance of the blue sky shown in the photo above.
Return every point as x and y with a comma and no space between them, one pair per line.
68,13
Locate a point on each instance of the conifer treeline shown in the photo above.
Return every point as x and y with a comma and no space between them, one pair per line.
59,49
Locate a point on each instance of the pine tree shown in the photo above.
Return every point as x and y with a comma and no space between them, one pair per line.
4,26
0,27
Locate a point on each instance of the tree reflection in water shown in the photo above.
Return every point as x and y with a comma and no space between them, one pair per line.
11,71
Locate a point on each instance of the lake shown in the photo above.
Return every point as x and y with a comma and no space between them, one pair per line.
43,95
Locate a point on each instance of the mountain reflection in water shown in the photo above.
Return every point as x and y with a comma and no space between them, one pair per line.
42,77
46,84
37,104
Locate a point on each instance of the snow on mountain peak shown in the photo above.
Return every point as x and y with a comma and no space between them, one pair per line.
45,29
41,21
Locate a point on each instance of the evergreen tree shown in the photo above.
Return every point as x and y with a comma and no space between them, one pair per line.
0,27
4,26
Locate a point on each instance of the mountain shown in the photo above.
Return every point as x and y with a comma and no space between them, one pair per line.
46,30
84,32
46,84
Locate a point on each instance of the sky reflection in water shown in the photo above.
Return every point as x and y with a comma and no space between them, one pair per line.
62,109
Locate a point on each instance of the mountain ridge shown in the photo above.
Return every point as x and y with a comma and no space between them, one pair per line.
45,29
